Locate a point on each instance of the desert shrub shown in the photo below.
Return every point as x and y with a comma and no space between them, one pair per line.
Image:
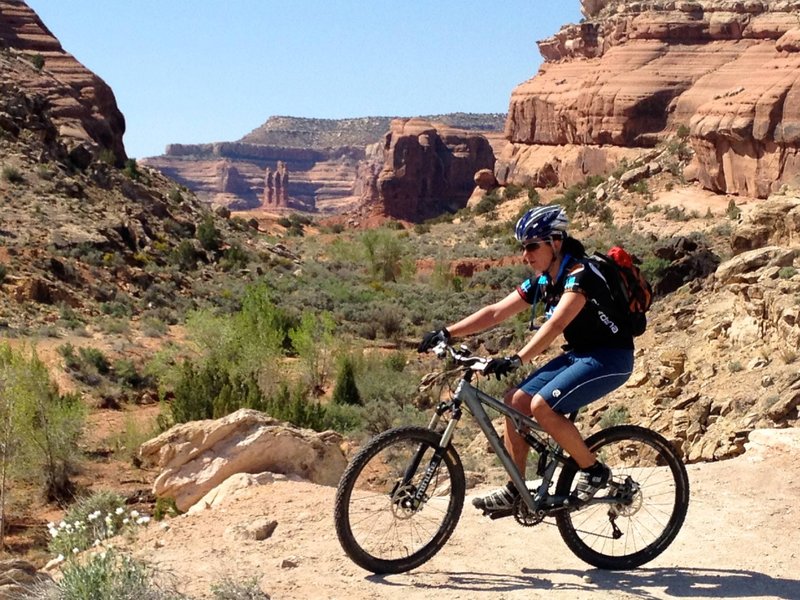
40,442
310,339
653,267
175,195
131,169
209,391
165,507
208,235
385,254
615,415
126,441
3,273
12,174
346,391
37,60
487,204
184,256
154,327
108,575
234,257
92,520
783,272
228,589
120,307
733,212
126,373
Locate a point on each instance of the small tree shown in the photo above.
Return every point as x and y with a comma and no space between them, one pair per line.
208,235
312,340
346,390
46,425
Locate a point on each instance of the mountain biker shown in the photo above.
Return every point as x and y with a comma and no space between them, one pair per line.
598,357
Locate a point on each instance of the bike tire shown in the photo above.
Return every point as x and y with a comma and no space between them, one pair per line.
368,514
656,509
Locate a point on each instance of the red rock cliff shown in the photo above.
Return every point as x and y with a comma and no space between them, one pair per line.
634,72
426,169
81,104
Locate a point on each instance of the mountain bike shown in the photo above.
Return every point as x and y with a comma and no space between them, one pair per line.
401,496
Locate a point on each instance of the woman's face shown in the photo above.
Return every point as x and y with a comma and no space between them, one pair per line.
538,255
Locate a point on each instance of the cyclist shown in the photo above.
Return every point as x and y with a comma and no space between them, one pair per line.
598,357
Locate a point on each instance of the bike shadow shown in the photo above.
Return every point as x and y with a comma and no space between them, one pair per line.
643,583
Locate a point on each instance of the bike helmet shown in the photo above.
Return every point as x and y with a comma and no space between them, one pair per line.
540,223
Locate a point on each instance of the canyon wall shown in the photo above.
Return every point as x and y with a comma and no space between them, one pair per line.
326,163
634,73
80,103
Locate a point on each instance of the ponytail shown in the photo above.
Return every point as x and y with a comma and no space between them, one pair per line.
572,247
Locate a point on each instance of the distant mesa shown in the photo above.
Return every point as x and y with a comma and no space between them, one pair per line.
326,165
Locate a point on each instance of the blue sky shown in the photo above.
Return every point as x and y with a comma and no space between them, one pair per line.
194,71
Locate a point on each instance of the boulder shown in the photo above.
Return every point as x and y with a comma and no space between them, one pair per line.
196,457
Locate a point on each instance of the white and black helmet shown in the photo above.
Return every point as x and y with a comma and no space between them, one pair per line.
541,223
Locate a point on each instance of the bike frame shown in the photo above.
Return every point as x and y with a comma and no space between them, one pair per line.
475,399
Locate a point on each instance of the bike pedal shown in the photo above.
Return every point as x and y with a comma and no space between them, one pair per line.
497,514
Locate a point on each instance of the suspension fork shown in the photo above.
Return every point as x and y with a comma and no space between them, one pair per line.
438,453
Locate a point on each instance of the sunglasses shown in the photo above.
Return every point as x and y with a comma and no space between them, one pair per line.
531,246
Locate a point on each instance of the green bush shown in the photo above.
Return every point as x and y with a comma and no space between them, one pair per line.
37,60
228,589
43,427
346,391
616,415
108,575
131,169
208,235
185,256
235,257
12,175
92,520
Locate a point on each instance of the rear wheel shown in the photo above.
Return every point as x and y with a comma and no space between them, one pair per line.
638,515
383,523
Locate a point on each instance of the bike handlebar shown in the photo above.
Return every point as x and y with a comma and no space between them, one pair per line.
461,356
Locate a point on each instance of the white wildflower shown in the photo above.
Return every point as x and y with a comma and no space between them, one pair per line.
135,514
75,550
143,520
119,510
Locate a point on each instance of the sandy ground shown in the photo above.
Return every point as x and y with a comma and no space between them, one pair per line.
741,539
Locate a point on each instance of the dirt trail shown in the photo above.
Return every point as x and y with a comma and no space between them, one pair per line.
741,539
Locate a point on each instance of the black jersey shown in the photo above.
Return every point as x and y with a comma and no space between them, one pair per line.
598,324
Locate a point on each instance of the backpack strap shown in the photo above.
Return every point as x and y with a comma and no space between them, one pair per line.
544,279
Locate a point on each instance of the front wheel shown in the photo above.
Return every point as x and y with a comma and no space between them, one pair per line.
638,515
399,500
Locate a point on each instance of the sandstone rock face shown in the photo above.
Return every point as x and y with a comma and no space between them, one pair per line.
325,157
634,73
198,456
427,168
81,103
